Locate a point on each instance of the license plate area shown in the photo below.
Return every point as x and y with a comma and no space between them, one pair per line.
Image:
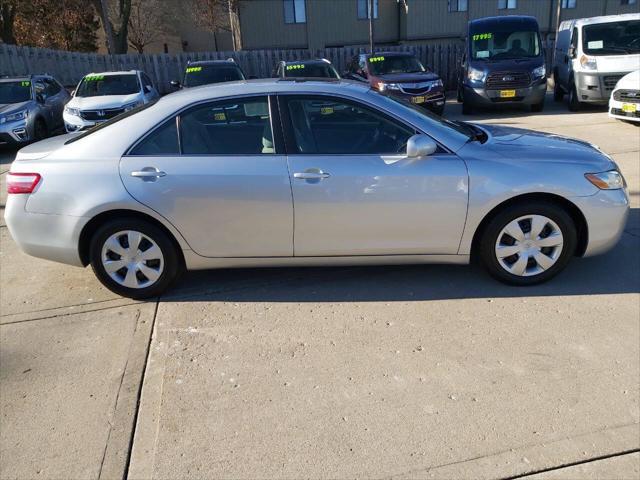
418,99
507,93
629,107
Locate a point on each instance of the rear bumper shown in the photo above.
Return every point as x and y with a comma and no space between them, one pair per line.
606,215
482,97
52,237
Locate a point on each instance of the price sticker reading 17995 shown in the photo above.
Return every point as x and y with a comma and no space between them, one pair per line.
482,36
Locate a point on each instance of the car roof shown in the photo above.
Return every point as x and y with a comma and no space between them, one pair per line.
487,21
120,72
214,62
18,78
389,54
602,19
308,61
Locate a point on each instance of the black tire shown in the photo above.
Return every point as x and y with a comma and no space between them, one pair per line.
489,238
40,130
173,263
538,107
574,102
558,93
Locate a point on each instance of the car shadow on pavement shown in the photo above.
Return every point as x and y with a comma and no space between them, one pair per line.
615,272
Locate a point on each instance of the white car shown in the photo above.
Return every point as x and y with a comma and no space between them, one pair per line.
101,96
625,99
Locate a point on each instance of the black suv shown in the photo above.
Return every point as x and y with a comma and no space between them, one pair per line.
399,74
209,71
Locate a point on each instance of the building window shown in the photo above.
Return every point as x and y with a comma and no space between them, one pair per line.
458,5
507,4
294,11
569,3
363,9
628,2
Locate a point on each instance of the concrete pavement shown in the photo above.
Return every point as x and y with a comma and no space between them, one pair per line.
386,372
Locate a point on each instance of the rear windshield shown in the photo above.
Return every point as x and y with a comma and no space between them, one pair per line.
205,74
101,85
615,38
381,65
313,70
15,92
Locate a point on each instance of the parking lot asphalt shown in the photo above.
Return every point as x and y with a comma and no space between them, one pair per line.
376,372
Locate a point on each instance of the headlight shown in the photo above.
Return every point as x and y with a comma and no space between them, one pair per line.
611,180
14,117
588,63
388,86
131,106
436,83
475,75
539,72
72,111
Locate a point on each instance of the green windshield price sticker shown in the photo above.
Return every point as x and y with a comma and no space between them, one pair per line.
94,78
295,67
194,69
482,36
25,84
376,59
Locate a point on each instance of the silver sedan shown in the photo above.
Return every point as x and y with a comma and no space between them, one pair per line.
282,173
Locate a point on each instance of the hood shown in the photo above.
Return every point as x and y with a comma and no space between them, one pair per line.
617,63
630,81
407,77
13,107
44,147
103,102
527,145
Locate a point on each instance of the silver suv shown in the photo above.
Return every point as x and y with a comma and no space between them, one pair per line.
30,108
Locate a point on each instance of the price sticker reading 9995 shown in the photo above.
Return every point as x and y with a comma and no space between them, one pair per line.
194,69
376,59
295,67
482,36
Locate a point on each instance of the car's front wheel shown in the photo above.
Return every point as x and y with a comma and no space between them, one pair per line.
528,243
134,258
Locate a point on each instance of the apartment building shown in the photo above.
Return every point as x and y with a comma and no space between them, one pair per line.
317,24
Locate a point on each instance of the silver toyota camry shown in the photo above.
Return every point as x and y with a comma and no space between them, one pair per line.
281,173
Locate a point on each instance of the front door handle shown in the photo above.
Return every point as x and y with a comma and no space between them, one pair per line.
318,175
149,174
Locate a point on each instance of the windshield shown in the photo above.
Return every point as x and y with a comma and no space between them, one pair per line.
613,38
101,85
15,92
381,65
313,70
458,127
206,74
504,45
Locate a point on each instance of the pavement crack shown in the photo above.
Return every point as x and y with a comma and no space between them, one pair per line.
573,464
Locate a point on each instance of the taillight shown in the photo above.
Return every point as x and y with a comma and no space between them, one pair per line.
22,182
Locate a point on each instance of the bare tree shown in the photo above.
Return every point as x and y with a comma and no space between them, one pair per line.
149,21
8,11
214,15
114,16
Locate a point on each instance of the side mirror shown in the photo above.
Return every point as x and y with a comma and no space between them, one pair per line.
147,89
572,52
175,84
73,92
420,146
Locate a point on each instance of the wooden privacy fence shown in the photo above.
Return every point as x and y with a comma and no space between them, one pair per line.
70,67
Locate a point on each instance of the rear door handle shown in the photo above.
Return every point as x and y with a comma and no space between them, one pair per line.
311,175
149,174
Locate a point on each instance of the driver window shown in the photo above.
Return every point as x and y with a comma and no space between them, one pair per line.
40,89
334,126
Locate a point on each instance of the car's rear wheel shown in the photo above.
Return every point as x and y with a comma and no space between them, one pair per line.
528,243
134,258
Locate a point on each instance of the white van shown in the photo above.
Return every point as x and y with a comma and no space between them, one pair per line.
592,54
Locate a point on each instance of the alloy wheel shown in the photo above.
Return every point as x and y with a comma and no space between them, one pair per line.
132,259
529,245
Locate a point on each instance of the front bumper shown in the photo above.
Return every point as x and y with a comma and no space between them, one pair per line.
606,215
52,237
432,99
593,87
616,111
15,133
73,123
480,96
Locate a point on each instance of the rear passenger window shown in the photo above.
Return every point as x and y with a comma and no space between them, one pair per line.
162,141
235,127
